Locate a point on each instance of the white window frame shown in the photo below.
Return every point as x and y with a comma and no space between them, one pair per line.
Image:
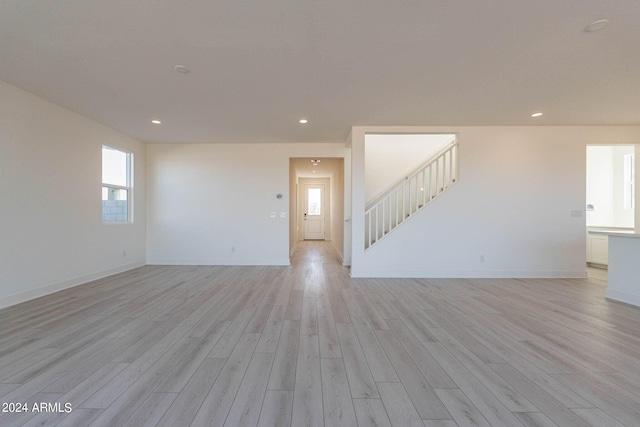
629,181
128,188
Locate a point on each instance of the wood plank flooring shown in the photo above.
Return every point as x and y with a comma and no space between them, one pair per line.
308,346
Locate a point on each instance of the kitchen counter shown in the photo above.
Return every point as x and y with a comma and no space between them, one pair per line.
624,233
624,267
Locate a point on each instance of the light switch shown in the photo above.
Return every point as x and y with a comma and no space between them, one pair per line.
283,214
272,214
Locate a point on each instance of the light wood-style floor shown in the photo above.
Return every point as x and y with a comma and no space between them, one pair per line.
308,346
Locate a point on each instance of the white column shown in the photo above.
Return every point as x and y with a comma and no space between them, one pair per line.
637,189
357,200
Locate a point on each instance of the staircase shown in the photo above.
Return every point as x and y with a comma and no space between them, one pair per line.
409,196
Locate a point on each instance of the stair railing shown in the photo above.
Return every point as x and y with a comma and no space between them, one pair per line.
412,194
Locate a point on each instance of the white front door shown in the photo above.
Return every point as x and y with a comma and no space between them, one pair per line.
313,212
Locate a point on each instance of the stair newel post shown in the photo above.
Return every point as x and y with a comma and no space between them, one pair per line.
455,174
383,212
419,189
414,195
377,222
380,220
447,169
424,186
417,192
410,198
438,176
443,170
397,207
366,237
430,182
445,166
403,201
390,212
418,196
369,230
450,176
374,227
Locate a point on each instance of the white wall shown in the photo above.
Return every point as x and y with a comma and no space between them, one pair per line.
51,232
293,203
390,158
518,187
205,199
337,208
348,205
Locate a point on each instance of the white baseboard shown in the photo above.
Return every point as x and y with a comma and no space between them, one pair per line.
340,254
418,274
347,262
220,261
21,297
623,297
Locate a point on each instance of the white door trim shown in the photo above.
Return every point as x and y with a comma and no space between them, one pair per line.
314,226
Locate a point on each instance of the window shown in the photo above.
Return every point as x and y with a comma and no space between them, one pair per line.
314,200
117,185
629,178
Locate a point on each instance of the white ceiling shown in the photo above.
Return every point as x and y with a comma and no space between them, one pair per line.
327,167
259,66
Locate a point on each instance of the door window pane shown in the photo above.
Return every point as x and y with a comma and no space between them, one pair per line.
314,200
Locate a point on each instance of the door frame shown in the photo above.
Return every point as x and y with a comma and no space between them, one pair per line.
339,221
302,182
323,209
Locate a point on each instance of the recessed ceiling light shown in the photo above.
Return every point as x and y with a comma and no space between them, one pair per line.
596,26
181,69
303,121
156,122
538,114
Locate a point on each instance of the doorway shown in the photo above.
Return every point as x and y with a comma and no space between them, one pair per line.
316,186
610,197
313,216
314,209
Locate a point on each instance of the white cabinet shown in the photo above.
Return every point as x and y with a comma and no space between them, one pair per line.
597,249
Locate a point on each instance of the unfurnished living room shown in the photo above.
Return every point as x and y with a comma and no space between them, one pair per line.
303,213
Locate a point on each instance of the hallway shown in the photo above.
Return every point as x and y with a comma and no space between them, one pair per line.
307,345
